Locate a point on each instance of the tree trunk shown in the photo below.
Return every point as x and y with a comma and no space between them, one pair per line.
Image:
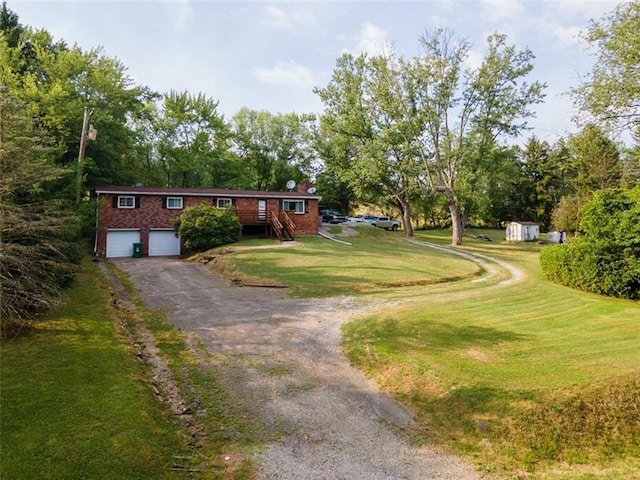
457,223
406,223
405,208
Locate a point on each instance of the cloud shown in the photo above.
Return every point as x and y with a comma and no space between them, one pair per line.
372,40
566,36
181,14
474,60
502,9
278,18
285,73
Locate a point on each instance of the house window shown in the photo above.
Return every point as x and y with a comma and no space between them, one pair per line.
296,206
174,202
223,202
126,202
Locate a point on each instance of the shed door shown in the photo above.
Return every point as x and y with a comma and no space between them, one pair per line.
163,243
120,242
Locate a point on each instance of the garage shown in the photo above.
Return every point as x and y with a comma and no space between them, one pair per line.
163,243
120,242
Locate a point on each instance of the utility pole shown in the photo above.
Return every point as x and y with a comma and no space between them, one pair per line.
88,133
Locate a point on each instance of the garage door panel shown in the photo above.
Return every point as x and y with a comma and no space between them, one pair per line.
163,243
120,243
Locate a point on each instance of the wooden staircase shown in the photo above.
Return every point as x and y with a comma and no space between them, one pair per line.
283,227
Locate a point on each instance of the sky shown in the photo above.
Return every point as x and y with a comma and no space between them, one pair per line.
271,55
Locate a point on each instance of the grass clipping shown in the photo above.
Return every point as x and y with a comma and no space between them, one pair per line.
217,261
599,423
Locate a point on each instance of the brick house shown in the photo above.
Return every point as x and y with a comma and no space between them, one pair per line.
144,215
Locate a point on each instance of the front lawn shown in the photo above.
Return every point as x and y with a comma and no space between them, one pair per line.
74,400
376,261
529,379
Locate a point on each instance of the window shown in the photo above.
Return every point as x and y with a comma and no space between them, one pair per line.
296,206
126,202
174,202
223,202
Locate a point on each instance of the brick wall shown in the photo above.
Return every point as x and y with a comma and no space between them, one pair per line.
151,215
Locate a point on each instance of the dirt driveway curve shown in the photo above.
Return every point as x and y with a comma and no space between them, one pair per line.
288,371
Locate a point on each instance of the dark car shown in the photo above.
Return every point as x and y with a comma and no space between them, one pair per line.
331,216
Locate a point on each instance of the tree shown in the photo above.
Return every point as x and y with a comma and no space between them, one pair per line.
274,148
37,238
542,179
368,115
192,140
56,83
595,161
465,112
611,92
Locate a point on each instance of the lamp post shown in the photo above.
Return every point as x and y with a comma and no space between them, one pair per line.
88,133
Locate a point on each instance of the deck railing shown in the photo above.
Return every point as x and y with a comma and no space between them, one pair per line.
281,225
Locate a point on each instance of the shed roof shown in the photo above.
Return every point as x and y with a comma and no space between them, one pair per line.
525,223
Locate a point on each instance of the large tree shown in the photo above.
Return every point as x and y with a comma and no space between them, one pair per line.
611,92
595,161
193,140
57,82
368,115
429,119
275,148
465,111
37,248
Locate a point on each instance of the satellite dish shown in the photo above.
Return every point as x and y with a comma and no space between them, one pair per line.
291,184
312,190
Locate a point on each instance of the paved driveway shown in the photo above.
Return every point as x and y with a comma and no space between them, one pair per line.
326,421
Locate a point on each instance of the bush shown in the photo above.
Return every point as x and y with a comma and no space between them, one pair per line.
606,269
203,227
607,259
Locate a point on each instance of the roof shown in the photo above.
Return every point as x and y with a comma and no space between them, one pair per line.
202,192
525,223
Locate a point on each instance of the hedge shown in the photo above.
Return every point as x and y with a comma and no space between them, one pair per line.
599,267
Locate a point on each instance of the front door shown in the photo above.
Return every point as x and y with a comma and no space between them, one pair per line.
262,209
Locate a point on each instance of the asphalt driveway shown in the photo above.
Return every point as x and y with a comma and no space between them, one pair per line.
283,355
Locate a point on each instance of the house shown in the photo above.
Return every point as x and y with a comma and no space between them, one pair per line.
144,216
522,231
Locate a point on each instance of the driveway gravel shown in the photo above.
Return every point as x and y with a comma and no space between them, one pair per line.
283,364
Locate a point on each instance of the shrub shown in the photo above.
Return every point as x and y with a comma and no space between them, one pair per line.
203,227
603,268
607,259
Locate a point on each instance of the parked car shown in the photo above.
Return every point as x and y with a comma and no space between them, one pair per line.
331,216
370,219
366,219
387,223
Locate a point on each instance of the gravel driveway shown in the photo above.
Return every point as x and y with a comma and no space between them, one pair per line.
286,369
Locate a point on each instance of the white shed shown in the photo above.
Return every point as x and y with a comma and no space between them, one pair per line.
522,231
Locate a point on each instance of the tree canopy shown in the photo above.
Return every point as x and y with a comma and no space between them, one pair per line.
611,92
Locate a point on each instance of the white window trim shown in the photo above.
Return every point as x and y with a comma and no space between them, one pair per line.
294,211
123,197
180,199
227,202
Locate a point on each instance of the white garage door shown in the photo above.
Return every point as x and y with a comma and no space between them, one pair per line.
120,242
163,243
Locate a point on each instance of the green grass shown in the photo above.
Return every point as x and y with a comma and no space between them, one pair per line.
476,365
74,401
528,377
376,261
